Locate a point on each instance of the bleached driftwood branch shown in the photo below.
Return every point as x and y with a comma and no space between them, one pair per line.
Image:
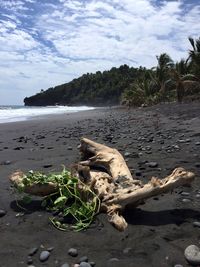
105,171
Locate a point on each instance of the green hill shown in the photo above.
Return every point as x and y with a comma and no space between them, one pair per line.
101,88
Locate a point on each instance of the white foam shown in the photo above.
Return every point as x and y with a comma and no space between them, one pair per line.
12,114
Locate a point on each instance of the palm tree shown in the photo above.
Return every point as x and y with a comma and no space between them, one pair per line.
194,56
165,64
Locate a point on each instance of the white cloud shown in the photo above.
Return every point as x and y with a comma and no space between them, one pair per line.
72,37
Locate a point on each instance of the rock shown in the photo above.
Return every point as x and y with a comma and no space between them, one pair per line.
197,143
29,260
69,148
197,164
113,260
178,265
127,154
126,250
83,259
33,251
7,162
50,249
185,194
2,213
44,255
192,254
92,263
197,195
186,200
196,224
47,165
73,252
65,265
84,264
152,164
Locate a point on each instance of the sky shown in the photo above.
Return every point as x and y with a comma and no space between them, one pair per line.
44,43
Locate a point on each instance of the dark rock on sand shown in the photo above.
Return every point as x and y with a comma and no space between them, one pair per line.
73,252
44,255
192,254
83,259
2,213
65,265
196,224
85,264
152,164
33,251
47,166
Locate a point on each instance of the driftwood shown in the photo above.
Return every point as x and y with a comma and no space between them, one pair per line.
105,171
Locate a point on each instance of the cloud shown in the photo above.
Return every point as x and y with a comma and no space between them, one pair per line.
45,43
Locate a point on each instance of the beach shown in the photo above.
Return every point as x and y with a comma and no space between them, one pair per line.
158,231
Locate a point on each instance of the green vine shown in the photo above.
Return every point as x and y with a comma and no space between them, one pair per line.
73,198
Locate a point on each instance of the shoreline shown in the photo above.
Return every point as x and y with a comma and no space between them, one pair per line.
158,231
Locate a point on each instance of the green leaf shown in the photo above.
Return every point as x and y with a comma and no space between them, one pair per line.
27,199
60,200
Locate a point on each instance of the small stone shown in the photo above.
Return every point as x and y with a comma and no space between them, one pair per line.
196,224
127,154
29,260
197,164
152,164
47,166
65,265
2,213
197,143
69,148
92,263
186,200
192,254
126,250
83,259
50,249
185,194
85,264
197,195
7,162
33,251
73,252
44,255
178,265
113,259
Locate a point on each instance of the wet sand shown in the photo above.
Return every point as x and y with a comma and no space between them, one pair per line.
158,231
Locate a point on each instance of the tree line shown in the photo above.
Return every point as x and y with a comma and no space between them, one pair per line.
168,81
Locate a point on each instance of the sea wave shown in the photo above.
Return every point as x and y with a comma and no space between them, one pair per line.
21,113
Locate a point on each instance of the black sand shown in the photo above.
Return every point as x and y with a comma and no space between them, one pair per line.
158,231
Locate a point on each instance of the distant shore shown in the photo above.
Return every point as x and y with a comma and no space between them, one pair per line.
158,231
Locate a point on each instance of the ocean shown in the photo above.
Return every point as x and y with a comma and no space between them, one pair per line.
22,113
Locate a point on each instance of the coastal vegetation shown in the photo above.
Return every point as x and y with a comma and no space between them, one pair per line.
168,81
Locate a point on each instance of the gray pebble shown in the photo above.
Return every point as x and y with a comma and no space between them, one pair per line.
185,194
127,154
83,259
152,164
113,259
186,200
29,260
192,254
92,263
196,224
197,143
126,250
69,148
197,195
44,255
33,251
65,265
178,265
85,264
73,252
2,213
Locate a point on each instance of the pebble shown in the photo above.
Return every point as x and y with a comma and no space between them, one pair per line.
29,260
126,250
152,164
44,255
33,251
92,263
113,259
186,200
7,162
197,195
69,148
178,265
185,194
196,224
2,213
47,165
73,252
85,264
197,143
127,154
192,254
83,259
197,164
65,265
